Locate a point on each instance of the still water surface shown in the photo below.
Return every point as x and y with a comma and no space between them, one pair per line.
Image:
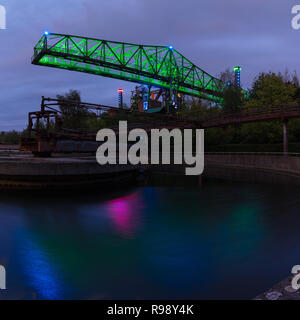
222,240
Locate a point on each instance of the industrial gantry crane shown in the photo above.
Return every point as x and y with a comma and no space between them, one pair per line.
154,66
162,68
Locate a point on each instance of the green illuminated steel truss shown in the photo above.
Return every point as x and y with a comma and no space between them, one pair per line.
151,65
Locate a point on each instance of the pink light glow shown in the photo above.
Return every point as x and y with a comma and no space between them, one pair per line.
125,214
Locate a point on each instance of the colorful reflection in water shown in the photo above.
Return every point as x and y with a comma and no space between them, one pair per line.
224,240
41,273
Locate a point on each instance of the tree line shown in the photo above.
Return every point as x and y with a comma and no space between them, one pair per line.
267,90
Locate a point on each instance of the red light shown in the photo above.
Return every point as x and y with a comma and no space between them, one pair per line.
120,90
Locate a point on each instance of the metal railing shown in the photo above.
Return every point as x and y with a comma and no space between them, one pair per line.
246,112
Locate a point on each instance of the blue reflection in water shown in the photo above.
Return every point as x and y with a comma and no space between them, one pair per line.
42,274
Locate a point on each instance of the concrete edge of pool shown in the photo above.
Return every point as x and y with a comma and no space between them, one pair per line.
24,172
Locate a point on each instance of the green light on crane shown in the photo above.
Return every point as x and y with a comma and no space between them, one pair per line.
237,69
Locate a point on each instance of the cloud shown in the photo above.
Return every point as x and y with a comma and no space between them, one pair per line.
214,34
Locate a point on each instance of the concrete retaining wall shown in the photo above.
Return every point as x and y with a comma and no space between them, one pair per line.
38,173
253,168
57,167
266,162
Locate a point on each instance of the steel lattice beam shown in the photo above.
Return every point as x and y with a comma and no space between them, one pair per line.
152,65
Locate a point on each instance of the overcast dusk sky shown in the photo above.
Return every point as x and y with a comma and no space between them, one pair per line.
214,34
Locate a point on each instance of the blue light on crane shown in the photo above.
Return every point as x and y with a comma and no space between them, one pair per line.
237,71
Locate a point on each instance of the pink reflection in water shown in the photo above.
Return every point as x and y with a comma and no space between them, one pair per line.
125,214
